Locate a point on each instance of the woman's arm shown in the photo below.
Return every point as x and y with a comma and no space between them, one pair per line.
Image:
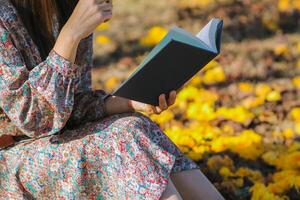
114,104
39,102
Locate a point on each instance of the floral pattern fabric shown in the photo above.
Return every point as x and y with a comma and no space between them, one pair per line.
122,156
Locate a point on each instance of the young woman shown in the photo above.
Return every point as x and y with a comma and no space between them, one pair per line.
60,139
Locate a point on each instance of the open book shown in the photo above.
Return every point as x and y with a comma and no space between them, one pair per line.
172,62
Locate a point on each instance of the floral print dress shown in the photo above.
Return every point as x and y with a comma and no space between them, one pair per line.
74,149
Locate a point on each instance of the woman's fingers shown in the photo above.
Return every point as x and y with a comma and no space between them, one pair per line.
107,16
106,11
172,97
157,110
162,102
103,1
104,7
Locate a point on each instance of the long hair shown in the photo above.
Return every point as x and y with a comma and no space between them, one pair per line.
38,18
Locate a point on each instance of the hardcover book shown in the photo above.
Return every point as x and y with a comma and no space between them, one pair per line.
172,63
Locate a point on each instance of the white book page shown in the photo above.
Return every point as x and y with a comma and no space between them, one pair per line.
208,34
191,36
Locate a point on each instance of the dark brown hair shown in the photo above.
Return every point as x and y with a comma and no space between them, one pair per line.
37,16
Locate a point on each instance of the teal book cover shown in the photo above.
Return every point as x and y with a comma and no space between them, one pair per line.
172,62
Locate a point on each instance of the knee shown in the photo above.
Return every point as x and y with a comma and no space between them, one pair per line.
135,119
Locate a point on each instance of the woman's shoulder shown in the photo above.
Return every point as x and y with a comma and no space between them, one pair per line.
7,12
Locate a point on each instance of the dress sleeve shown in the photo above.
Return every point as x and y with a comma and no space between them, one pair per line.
40,101
89,105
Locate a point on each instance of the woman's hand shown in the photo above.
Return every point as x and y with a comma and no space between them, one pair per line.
116,105
87,15
164,104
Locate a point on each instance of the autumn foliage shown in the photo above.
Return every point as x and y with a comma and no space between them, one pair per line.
239,118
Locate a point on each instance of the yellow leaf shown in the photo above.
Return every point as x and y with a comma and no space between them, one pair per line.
154,36
273,96
296,81
101,39
112,83
103,26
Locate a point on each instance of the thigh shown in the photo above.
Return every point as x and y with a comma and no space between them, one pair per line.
124,154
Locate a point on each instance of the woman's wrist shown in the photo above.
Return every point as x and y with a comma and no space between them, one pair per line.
129,105
71,34
115,105
66,45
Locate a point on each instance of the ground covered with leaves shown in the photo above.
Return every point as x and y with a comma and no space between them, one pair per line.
239,118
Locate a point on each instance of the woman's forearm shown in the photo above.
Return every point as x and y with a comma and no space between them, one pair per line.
66,45
116,105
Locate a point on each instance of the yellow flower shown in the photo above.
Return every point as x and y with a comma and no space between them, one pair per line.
281,49
186,140
211,65
154,36
195,3
174,133
247,144
103,26
279,187
201,111
201,131
297,182
237,114
296,81
262,90
261,192
298,63
296,4
227,129
219,145
288,133
195,156
285,160
284,5
101,39
246,87
253,175
270,24
271,157
214,75
112,83
295,146
285,174
217,162
297,127
253,102
239,182
196,80
273,96
225,172
164,117
298,47
200,149
282,181
188,93
295,113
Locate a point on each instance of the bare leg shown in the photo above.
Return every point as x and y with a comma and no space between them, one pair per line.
193,185
170,193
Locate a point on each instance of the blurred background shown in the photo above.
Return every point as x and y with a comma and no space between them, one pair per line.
239,118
